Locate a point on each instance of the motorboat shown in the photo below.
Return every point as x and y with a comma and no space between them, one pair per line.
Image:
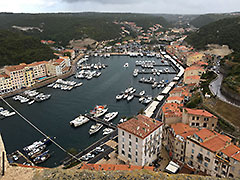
99,110
126,65
31,102
130,97
80,120
107,131
110,116
95,128
142,93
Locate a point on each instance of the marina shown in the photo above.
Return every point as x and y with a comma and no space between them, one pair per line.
54,115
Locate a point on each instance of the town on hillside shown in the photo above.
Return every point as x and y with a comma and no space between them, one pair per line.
173,133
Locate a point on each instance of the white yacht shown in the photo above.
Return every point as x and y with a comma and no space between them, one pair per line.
95,128
110,116
80,120
99,110
31,102
119,96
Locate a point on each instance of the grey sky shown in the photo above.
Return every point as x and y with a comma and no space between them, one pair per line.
139,6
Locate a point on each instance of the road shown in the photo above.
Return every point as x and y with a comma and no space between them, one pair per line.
215,87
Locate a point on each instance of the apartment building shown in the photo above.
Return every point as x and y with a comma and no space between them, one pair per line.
194,58
139,140
176,140
5,84
171,113
58,67
194,70
202,149
39,69
199,118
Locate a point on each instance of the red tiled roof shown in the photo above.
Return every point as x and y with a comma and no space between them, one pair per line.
200,112
4,75
177,98
236,156
140,126
194,67
16,67
113,167
230,150
205,134
216,143
183,130
193,77
37,63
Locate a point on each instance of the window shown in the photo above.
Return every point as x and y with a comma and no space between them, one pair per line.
123,133
136,139
193,118
216,168
204,124
122,139
207,159
130,143
197,124
136,153
212,125
193,145
123,152
129,150
129,156
216,162
197,118
191,156
136,160
206,164
201,149
123,146
129,136
208,153
192,151
193,124
136,146
224,166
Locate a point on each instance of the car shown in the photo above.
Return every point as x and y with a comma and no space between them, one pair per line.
84,158
15,158
90,156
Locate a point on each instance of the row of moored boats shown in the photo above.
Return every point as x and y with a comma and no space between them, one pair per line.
4,113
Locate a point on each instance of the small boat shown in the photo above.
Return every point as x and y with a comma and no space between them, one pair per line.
107,131
119,96
126,65
95,128
130,97
99,110
31,102
122,120
142,93
125,96
41,158
110,116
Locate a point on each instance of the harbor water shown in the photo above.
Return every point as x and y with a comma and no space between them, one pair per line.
53,116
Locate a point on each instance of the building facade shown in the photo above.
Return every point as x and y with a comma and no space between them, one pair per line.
139,140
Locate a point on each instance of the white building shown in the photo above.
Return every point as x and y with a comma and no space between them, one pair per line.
139,140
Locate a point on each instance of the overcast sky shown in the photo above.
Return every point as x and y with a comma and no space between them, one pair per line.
139,6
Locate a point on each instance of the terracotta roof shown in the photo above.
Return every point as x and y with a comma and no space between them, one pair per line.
3,75
216,143
37,63
183,130
177,98
193,77
59,60
230,150
236,156
199,112
16,67
205,134
113,167
194,67
140,126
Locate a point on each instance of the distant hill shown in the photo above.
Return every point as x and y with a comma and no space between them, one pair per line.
223,32
16,48
205,19
63,27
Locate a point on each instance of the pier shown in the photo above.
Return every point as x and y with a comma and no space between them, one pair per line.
150,72
98,120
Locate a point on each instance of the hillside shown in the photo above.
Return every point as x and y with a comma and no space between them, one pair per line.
223,32
205,19
16,48
63,27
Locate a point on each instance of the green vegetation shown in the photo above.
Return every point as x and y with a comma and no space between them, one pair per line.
18,48
63,27
194,101
223,32
205,19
